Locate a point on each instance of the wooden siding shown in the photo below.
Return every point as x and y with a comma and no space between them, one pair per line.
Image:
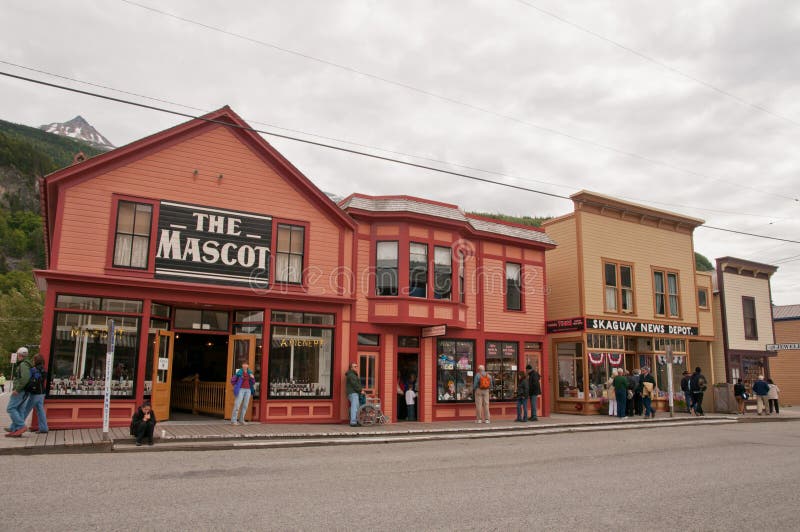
248,184
363,280
735,286
644,246
496,317
705,318
718,345
785,368
563,277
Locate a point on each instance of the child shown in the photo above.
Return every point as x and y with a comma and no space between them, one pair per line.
772,396
411,407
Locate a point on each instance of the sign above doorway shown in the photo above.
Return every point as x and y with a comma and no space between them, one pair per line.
434,330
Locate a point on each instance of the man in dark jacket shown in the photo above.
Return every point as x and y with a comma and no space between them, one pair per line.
648,392
534,389
760,389
687,393
698,385
18,402
352,388
143,424
523,393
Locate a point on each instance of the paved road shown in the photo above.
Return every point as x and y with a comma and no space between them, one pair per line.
740,477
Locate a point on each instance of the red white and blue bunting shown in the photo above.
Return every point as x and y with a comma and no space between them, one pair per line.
597,359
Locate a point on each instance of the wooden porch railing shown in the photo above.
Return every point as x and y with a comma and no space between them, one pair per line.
199,397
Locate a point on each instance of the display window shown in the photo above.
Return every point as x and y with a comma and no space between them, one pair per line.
570,369
601,365
301,356
454,375
501,363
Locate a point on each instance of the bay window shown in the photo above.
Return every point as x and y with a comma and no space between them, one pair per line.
386,269
417,270
442,272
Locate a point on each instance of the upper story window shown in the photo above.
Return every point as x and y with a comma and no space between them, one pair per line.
667,299
442,272
386,269
289,254
132,235
749,315
461,276
618,279
513,286
702,298
417,270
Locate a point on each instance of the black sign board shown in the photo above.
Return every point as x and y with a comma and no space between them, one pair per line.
641,327
213,246
567,325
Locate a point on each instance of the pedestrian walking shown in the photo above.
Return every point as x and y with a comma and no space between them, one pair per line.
243,383
740,392
36,388
2,383
481,385
143,424
611,395
535,390
687,393
19,396
772,396
698,385
761,391
637,392
523,394
352,388
648,392
620,384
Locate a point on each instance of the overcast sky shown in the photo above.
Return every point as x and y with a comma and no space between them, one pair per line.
706,124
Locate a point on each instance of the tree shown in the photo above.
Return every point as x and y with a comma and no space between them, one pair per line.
21,311
702,263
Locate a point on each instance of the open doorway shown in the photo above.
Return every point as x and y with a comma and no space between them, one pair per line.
408,377
198,367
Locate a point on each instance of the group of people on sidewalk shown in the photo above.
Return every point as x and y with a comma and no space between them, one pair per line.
27,394
631,393
766,393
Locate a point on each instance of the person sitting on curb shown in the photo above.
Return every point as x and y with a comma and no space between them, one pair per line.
143,424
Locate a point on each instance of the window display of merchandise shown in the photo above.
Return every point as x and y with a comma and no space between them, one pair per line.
90,386
501,364
454,375
283,388
301,358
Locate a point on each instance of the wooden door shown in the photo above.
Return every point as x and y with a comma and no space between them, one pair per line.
162,374
241,347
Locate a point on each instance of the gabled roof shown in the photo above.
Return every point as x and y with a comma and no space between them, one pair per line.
225,116
786,312
445,211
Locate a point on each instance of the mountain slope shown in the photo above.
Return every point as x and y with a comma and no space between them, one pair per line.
78,128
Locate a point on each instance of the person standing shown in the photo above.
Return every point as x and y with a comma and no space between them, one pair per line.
143,424
648,390
2,383
761,391
411,403
481,385
740,392
772,396
687,393
352,388
620,384
36,389
523,394
698,385
19,396
243,383
535,390
637,392
611,394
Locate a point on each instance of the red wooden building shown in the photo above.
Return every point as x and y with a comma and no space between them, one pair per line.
206,248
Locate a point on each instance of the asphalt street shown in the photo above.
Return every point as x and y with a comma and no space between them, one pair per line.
739,476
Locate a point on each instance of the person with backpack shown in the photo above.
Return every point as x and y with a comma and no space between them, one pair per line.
19,396
36,388
761,391
481,385
243,383
523,394
534,389
740,392
143,424
698,385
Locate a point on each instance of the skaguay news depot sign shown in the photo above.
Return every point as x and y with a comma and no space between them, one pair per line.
209,245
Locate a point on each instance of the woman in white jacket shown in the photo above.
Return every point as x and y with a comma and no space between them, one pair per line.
772,396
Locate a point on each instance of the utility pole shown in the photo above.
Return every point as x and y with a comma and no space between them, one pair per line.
669,382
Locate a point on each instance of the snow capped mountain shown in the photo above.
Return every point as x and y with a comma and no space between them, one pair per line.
79,128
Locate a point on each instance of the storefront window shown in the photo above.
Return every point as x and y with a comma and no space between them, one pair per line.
300,362
454,370
206,320
679,365
570,369
600,367
501,363
408,341
78,357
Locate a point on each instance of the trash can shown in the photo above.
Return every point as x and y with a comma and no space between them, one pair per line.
724,400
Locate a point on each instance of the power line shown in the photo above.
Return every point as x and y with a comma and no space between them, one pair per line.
454,101
405,154
659,63
332,147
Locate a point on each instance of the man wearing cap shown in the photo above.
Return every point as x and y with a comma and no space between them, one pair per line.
19,397
761,389
534,389
687,393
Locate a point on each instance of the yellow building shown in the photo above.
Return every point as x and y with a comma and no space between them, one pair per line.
622,289
785,367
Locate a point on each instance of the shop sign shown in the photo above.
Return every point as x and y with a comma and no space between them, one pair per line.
641,327
215,246
435,330
568,325
781,347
